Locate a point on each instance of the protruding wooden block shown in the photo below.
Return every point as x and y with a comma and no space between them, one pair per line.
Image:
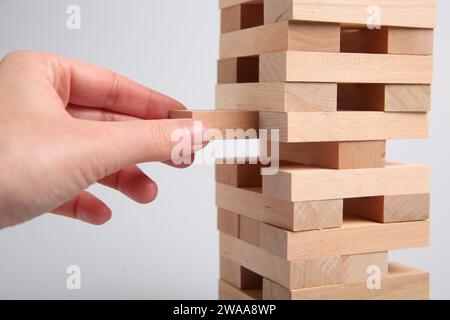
336,155
415,14
242,16
357,268
402,283
303,36
238,70
238,276
277,96
297,66
381,97
290,274
221,120
294,216
388,209
239,175
228,222
357,235
229,292
345,126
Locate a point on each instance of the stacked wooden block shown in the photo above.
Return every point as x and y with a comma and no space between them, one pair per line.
322,227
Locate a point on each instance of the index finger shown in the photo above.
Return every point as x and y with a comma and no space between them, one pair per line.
96,87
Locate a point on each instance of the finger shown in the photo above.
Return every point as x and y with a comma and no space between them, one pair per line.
95,114
133,183
181,163
118,145
92,86
85,207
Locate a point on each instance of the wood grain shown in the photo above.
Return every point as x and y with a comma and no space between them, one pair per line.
277,96
410,41
407,98
294,216
356,236
389,209
402,283
280,36
414,13
290,274
381,97
296,66
345,125
336,155
302,183
355,267
228,222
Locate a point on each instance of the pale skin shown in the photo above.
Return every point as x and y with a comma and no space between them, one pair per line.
65,125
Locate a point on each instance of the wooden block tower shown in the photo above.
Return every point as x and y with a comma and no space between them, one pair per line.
338,79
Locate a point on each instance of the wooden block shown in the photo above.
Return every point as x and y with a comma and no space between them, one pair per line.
231,3
296,66
381,97
229,292
242,16
388,209
238,70
416,14
303,36
239,175
228,222
402,283
302,183
290,274
230,19
357,235
356,268
238,276
336,155
222,120
345,125
410,41
294,216
407,98
249,230
277,96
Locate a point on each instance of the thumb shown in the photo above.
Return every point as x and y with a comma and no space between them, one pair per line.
122,144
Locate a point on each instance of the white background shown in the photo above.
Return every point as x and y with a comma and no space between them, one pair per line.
169,249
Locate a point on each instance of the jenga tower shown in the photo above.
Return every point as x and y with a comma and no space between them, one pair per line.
338,78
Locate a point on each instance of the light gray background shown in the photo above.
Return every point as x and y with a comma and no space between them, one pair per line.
169,249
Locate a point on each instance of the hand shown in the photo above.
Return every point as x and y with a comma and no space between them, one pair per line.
65,125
